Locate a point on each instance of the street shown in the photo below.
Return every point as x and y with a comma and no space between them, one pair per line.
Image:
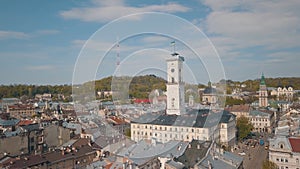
254,156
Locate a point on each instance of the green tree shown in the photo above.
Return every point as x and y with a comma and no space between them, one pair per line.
231,101
244,127
269,165
128,132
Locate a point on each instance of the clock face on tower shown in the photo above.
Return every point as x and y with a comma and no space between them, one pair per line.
172,70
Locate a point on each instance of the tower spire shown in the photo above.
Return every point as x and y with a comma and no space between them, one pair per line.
262,79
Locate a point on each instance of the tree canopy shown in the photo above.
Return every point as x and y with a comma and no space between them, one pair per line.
269,165
244,127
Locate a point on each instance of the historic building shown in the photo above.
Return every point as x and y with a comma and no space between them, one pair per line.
177,123
283,92
261,121
175,85
263,93
285,152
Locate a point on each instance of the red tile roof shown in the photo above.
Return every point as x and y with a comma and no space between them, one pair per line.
141,101
24,122
239,108
116,120
295,143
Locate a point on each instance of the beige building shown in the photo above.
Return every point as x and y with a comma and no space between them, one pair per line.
21,111
285,152
209,96
240,110
261,121
196,125
283,92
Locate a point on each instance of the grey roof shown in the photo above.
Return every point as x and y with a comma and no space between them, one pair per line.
210,90
194,153
31,127
142,151
7,123
12,133
194,118
226,160
258,113
176,165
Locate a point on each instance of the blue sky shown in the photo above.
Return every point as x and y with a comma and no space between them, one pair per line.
41,40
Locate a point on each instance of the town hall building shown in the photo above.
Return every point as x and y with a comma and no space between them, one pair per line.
179,123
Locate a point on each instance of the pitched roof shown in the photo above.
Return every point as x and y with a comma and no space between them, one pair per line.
239,108
194,118
25,122
11,122
295,144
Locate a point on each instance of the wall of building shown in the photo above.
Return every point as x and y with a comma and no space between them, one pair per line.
163,133
55,135
14,145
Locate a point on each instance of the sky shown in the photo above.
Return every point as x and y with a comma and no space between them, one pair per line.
42,42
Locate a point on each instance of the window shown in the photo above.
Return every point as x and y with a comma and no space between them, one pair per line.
281,146
286,160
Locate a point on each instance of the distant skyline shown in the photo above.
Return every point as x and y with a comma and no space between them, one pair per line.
40,40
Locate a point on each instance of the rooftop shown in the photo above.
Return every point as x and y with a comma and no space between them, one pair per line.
194,118
239,108
258,113
295,144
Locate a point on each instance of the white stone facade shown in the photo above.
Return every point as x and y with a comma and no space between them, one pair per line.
175,86
282,153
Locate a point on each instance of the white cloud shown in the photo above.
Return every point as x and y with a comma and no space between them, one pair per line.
40,67
104,11
236,26
13,35
48,32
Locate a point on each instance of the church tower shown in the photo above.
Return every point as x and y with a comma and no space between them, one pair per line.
175,85
263,93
